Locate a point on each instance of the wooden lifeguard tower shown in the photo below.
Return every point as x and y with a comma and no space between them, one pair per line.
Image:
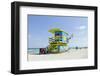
59,41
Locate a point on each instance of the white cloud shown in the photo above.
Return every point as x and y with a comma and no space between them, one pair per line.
29,36
81,27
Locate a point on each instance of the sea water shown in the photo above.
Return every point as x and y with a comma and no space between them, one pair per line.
33,50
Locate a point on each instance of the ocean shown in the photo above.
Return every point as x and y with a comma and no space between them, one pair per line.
33,50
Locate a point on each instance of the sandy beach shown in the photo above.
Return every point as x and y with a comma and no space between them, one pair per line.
70,54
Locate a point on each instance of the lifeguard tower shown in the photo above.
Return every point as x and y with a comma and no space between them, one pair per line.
59,41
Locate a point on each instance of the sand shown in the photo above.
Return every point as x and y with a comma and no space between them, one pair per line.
70,54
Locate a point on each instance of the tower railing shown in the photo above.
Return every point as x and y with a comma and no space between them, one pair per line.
57,40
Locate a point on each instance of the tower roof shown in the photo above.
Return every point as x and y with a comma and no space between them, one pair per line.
56,30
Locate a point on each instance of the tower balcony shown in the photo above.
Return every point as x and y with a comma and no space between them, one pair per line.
57,41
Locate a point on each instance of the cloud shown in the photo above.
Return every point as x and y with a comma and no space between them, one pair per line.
81,27
29,36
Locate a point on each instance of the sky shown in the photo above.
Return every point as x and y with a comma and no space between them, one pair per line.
38,26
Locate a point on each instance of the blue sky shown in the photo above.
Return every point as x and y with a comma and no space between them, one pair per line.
38,26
